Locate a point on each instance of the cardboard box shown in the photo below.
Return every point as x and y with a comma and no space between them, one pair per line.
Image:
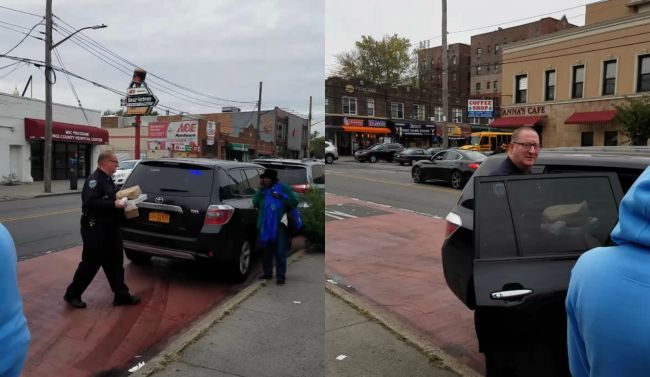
129,193
131,211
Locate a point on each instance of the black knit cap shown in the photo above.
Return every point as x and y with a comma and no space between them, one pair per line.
270,173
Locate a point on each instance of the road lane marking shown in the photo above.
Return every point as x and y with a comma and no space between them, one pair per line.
338,213
414,185
37,215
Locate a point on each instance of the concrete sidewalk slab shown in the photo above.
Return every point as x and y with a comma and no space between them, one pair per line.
392,264
36,189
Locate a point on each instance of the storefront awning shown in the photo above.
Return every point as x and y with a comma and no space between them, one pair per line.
514,122
369,130
239,147
66,132
605,116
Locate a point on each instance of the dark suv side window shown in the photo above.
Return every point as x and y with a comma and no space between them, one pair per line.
318,173
243,188
229,187
549,216
253,176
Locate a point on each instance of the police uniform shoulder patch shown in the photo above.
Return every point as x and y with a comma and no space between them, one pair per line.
92,183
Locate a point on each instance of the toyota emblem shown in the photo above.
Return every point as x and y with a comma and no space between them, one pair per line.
159,199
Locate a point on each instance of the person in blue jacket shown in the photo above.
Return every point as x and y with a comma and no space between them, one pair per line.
608,302
14,334
273,199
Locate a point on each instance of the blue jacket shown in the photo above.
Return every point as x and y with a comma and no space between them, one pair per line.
608,303
14,334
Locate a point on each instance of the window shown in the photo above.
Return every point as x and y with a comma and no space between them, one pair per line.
489,49
487,85
479,51
327,104
496,86
609,77
451,155
496,68
577,86
418,112
453,60
643,76
397,110
549,86
437,113
349,105
453,76
478,69
496,48
521,88
487,67
587,139
371,107
611,137
457,115
478,87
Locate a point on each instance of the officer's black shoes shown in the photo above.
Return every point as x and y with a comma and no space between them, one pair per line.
280,281
126,300
266,277
75,302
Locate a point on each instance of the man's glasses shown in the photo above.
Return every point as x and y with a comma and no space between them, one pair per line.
527,146
115,161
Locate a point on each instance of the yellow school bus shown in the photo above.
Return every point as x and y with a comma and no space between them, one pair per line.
485,141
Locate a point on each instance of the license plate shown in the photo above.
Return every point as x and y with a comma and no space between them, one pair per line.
159,217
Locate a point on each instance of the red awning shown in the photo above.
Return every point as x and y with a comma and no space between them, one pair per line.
369,130
605,116
514,122
67,132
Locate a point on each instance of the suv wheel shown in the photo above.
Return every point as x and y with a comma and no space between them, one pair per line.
373,159
240,267
136,257
457,180
329,159
417,175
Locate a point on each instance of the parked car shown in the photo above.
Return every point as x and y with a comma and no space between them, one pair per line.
123,170
452,165
377,152
433,150
512,241
331,152
301,175
410,155
196,209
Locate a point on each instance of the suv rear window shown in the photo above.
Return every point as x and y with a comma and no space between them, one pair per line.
548,216
290,175
174,178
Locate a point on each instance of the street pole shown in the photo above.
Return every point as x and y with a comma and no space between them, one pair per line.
309,130
137,137
259,108
47,148
445,77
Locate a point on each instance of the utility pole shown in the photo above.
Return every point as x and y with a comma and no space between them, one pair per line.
309,130
445,77
47,148
259,108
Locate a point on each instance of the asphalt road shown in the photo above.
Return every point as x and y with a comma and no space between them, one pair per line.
389,184
42,225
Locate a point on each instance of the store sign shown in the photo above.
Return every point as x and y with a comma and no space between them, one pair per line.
157,137
523,110
349,88
183,136
211,129
353,122
480,108
376,123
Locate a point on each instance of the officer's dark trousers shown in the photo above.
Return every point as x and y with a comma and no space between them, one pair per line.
102,247
276,250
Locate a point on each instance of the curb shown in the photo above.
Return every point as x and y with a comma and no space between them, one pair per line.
25,197
175,348
406,333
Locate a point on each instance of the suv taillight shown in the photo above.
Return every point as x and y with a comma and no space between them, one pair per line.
218,214
453,223
474,166
300,188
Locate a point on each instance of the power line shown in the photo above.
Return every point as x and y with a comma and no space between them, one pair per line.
25,37
20,11
17,67
58,57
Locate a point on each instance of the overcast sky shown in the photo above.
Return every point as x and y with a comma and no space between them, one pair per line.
346,21
218,48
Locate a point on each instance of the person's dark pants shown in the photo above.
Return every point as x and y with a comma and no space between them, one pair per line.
102,247
277,250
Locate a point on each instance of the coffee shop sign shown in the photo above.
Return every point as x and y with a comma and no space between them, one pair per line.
523,110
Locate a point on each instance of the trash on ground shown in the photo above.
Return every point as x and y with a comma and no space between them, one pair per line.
331,281
135,368
340,357
297,302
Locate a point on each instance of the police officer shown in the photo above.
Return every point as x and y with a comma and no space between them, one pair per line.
100,233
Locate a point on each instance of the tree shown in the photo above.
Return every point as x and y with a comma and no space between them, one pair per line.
386,61
634,117
317,147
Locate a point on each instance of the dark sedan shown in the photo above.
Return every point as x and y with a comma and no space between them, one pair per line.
411,155
377,152
452,165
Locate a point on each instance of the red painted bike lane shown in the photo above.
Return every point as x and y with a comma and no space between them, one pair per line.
102,338
392,262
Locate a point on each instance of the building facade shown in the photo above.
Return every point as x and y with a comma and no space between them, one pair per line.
566,84
487,55
76,139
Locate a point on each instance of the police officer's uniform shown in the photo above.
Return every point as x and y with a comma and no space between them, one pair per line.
102,241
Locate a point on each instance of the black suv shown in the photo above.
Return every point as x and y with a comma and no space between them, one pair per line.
376,152
512,240
301,175
196,209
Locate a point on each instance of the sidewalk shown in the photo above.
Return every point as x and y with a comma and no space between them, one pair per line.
36,189
293,330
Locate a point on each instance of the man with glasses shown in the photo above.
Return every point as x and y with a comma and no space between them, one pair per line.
522,154
101,216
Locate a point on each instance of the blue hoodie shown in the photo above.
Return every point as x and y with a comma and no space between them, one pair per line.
608,303
14,335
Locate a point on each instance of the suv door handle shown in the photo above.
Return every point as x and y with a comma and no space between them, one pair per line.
511,295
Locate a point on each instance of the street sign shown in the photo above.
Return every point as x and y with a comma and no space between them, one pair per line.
141,100
136,91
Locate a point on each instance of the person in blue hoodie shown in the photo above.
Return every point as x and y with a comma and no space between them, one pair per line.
14,334
608,302
273,199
